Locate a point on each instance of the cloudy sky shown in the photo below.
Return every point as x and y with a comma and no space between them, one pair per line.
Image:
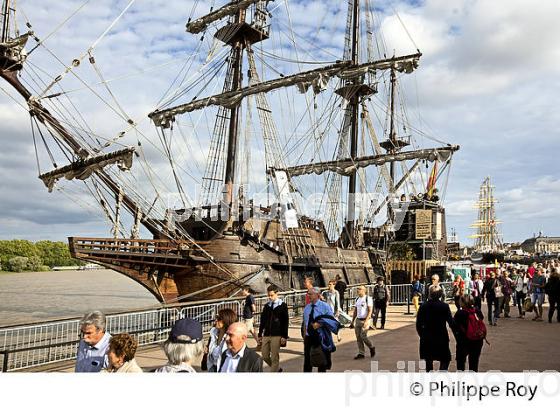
489,82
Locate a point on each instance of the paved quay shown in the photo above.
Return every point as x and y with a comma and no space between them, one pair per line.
515,345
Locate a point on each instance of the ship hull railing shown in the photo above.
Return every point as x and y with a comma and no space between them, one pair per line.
39,344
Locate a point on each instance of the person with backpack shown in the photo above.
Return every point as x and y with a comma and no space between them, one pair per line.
381,297
417,291
470,332
537,289
361,322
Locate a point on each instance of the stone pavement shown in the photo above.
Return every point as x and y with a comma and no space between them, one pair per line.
515,345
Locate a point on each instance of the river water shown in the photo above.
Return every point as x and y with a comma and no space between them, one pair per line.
37,296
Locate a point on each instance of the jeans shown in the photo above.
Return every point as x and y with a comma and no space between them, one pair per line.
494,309
506,305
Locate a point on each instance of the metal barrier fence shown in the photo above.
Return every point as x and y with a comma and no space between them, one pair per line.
34,345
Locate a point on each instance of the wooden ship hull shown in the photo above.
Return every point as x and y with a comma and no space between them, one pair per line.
183,270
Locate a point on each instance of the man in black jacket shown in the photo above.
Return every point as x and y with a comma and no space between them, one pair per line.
238,358
273,330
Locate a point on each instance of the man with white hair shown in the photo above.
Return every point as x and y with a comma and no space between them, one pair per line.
315,309
94,344
238,358
435,282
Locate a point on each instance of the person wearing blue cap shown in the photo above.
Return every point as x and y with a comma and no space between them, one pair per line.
184,345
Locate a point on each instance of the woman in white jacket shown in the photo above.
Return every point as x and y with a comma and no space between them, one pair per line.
217,343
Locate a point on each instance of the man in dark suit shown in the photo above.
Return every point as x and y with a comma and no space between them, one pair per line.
238,358
431,327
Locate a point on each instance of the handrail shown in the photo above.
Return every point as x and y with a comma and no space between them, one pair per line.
23,346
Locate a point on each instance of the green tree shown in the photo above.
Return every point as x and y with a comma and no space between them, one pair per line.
16,247
34,263
18,263
55,253
39,254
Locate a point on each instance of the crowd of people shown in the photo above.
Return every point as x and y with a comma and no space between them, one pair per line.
226,350
503,287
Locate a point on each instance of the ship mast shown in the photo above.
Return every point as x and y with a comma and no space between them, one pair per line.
237,54
354,102
5,21
487,237
392,133
354,89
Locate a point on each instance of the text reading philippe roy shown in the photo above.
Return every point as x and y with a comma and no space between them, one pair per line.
479,392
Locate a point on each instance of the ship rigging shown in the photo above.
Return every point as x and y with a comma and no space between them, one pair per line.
288,180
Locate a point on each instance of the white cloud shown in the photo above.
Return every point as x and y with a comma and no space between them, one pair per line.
487,81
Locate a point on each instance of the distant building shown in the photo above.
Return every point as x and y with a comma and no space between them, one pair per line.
541,245
513,248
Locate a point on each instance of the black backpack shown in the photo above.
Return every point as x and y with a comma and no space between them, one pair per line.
380,292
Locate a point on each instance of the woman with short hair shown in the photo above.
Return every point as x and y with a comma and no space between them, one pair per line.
122,348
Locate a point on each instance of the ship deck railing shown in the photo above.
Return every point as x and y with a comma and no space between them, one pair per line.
38,344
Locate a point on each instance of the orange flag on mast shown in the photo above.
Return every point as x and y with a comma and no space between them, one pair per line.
432,181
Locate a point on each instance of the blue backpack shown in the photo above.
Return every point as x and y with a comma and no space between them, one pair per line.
417,287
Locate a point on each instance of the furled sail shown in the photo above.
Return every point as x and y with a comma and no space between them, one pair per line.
83,168
343,69
347,166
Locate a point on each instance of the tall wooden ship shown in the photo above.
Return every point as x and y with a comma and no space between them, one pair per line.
368,194
488,245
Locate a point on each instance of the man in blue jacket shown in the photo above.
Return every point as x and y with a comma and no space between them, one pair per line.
313,319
